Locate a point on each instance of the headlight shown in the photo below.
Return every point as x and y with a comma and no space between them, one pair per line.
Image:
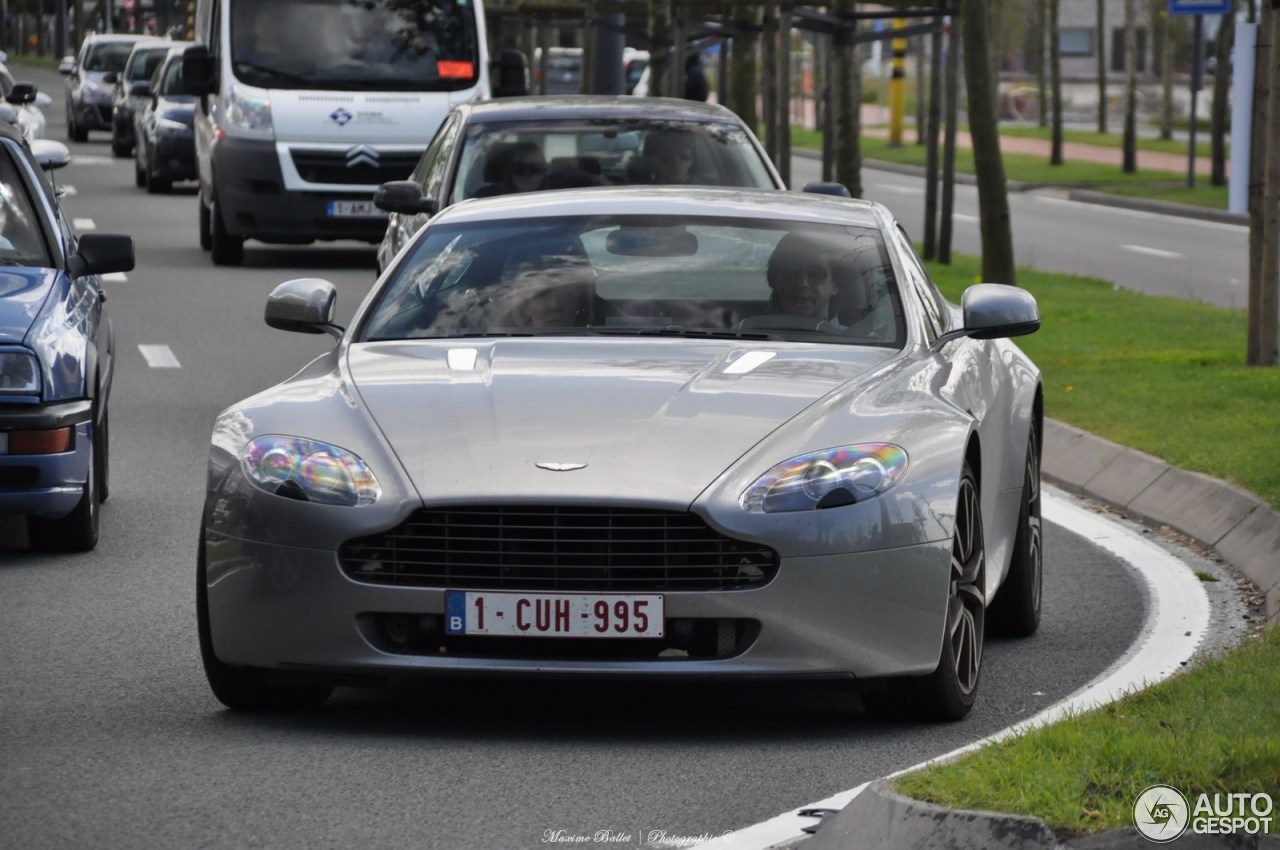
309,471
827,479
248,112
19,373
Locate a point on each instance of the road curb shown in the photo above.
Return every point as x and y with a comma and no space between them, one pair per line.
1243,529
879,819
1090,196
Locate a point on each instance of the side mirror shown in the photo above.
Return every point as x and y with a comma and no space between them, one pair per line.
100,253
822,187
140,89
509,76
111,78
51,154
403,196
199,74
67,65
23,92
995,311
304,305
43,100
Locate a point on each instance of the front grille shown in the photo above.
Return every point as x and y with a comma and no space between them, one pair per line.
558,548
330,166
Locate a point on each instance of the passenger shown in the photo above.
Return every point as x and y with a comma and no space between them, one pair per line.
667,159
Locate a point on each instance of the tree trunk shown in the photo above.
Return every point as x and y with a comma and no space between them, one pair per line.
1042,37
1166,75
1130,89
1101,35
769,78
848,101
746,71
993,198
1221,80
1055,69
931,152
660,51
784,99
1269,288
949,140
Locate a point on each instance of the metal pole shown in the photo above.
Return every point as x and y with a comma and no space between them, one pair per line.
1197,58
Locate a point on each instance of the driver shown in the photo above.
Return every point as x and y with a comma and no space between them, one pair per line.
801,276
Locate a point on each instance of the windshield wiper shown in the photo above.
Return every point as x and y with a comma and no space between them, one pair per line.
681,331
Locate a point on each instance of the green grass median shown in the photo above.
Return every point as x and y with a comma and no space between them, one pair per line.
1168,377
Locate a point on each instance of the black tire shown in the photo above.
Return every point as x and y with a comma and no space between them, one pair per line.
139,175
206,237
158,185
1015,612
78,530
102,455
244,688
75,132
120,148
225,249
950,690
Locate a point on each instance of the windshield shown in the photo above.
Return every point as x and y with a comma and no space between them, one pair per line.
644,275
108,56
145,63
171,84
21,241
578,152
409,45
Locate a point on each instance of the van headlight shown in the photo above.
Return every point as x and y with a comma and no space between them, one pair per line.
249,113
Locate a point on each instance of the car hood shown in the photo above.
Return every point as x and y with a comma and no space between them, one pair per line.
656,420
22,292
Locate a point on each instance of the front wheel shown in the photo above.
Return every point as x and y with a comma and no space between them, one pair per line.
139,175
226,250
78,530
1016,609
243,688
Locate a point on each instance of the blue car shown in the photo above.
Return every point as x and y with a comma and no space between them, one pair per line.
56,352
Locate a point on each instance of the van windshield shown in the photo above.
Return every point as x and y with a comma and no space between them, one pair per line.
405,45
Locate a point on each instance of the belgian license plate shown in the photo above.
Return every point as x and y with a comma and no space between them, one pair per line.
354,209
579,615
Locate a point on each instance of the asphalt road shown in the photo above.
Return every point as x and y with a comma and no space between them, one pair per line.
109,736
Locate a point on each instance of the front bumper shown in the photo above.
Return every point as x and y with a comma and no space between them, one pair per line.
254,202
173,156
50,485
92,114
862,615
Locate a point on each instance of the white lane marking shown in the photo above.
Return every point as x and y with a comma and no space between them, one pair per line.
115,277
68,189
159,357
84,224
1153,252
964,217
91,159
902,190
1145,216
1177,620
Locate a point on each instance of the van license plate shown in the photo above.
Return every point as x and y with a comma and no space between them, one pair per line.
354,209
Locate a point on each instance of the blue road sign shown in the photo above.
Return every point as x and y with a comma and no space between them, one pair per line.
1199,7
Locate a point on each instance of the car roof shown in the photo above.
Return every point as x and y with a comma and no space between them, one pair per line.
596,106
677,202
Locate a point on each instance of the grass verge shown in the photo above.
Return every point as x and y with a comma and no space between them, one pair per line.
1213,730
1110,140
1036,170
1161,375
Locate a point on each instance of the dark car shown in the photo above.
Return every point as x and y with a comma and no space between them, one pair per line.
573,141
140,67
91,82
56,353
166,144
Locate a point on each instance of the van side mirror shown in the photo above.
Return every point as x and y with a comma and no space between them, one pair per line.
509,76
199,73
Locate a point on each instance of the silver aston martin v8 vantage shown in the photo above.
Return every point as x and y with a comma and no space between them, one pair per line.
649,432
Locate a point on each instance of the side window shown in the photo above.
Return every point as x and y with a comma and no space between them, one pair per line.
923,288
435,162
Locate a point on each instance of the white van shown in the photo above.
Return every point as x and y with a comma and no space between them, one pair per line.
306,106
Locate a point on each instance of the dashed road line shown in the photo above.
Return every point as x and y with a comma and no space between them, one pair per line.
84,224
115,277
159,357
1153,252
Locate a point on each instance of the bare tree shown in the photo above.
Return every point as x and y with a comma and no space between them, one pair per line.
847,101
1130,89
1166,72
1268,298
993,198
1101,35
1042,33
1055,71
745,68
1221,79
